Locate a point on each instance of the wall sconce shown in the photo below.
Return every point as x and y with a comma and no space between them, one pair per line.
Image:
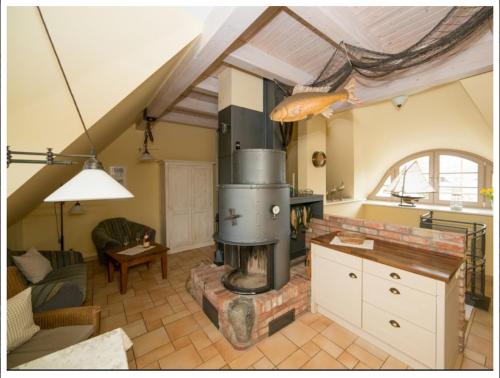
399,101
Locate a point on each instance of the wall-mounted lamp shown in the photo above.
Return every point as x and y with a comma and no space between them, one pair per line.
77,209
399,101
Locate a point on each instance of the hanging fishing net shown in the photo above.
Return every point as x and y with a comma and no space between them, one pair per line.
455,29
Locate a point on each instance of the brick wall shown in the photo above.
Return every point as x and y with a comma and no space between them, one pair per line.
448,243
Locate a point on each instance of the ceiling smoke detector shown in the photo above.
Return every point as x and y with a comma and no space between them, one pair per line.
399,101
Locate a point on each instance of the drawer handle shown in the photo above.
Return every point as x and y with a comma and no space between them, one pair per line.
394,323
395,276
393,290
352,275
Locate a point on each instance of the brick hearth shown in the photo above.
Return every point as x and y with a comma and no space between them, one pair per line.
258,310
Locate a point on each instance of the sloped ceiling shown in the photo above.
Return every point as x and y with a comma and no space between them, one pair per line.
115,60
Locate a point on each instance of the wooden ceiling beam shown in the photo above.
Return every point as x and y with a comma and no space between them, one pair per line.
222,28
189,119
208,86
196,112
256,61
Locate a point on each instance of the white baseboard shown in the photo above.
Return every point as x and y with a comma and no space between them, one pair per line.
194,246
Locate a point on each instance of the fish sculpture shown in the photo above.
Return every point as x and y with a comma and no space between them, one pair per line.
306,102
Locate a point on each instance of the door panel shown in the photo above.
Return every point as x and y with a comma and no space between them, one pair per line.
189,205
338,289
178,206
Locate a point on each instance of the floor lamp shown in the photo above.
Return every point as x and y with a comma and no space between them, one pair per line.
91,183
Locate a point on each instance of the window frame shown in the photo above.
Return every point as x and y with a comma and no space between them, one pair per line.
485,171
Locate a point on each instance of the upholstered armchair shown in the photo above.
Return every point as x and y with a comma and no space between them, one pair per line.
64,286
111,233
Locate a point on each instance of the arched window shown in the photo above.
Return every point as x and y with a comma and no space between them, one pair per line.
449,172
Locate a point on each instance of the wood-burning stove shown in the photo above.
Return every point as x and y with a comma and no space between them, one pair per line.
254,218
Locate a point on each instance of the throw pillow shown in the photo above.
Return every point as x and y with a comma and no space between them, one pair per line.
20,325
33,265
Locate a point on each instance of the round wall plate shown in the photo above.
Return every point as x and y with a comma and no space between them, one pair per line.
319,159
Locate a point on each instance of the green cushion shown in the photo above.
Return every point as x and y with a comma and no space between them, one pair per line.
47,341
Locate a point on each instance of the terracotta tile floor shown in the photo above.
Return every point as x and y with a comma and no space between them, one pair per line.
170,331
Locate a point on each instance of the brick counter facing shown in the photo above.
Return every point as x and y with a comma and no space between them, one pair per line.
448,243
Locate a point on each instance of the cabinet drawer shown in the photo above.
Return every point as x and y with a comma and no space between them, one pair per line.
410,339
400,276
337,256
337,288
413,305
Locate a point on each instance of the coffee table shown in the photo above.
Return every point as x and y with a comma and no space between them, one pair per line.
126,261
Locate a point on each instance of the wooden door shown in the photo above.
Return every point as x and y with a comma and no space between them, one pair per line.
189,205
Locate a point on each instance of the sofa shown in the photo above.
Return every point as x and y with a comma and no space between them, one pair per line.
64,286
59,328
111,233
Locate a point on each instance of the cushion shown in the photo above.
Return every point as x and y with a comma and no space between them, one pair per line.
33,265
48,341
20,325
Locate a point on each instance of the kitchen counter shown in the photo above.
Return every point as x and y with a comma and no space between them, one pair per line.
416,260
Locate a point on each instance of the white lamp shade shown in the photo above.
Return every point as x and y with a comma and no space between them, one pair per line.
89,184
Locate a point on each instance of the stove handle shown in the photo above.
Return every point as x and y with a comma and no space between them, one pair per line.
233,217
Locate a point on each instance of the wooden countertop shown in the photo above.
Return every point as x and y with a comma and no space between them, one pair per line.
416,260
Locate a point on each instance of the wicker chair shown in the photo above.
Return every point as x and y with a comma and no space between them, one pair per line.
64,317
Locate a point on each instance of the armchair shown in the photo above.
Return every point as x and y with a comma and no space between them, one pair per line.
110,234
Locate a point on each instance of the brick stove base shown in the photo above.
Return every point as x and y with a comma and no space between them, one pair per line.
244,319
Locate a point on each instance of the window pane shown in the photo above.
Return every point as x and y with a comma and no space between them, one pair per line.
458,176
384,190
451,164
423,164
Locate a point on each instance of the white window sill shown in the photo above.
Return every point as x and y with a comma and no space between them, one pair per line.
339,202
465,210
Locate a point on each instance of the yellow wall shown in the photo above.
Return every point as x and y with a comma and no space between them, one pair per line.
311,138
451,116
480,90
443,117
241,89
292,158
107,53
340,153
172,142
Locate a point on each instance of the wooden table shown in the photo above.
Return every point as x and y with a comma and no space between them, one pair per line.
126,261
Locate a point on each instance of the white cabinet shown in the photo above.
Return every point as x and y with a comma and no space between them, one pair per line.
189,213
338,288
412,317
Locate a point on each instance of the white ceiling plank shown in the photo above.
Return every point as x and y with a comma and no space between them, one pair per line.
262,64
472,61
188,119
339,24
210,86
222,28
198,105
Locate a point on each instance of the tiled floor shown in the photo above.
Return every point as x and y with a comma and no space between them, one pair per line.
170,331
